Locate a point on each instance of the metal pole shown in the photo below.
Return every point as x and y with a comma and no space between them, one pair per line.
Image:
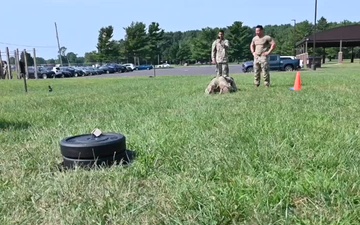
314,41
58,42
294,20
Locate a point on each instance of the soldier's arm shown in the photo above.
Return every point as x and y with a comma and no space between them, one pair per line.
226,44
213,51
252,46
273,45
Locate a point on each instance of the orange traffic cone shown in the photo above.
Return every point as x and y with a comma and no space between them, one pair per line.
297,83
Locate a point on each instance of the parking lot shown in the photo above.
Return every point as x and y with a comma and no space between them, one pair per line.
176,71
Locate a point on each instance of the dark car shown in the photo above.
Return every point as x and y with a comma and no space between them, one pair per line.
144,67
275,63
107,69
62,72
71,70
42,72
77,72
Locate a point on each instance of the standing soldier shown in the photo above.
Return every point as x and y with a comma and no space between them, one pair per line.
5,69
261,47
219,55
1,69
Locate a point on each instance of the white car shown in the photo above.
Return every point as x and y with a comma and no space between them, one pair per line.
164,65
129,65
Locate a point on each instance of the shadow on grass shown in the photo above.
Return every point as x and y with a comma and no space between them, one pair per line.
17,125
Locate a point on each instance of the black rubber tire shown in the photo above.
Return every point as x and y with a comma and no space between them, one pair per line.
71,163
250,69
288,68
87,146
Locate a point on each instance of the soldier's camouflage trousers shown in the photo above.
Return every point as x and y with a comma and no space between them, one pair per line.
222,69
261,65
221,85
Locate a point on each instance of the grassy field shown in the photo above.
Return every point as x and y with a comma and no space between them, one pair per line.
258,156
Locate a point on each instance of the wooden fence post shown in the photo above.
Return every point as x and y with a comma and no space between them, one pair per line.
34,57
17,57
9,73
16,63
26,65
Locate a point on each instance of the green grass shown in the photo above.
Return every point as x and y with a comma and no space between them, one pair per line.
258,156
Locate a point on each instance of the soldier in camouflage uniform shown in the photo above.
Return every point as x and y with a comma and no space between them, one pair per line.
261,47
219,55
5,69
221,85
1,70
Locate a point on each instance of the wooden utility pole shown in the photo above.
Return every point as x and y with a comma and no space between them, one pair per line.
16,63
17,57
9,73
26,70
58,42
26,65
34,56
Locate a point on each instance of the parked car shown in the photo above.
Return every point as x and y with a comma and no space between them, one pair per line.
129,65
107,69
85,71
144,67
61,72
129,69
164,65
77,71
68,69
42,72
292,57
275,63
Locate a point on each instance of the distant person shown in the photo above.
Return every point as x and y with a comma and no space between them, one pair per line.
5,69
261,47
219,55
1,69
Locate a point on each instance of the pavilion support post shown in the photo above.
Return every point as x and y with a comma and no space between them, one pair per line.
340,54
306,56
324,55
352,55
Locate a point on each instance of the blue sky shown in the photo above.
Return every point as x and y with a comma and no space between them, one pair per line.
79,21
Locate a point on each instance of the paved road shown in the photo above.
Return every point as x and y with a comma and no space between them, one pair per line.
178,71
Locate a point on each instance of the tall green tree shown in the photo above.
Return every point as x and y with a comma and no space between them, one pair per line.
39,61
195,45
108,50
62,53
136,40
240,38
183,54
29,58
201,45
71,57
155,40
91,57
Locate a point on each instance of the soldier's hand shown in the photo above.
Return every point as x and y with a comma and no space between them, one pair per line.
265,54
255,55
213,62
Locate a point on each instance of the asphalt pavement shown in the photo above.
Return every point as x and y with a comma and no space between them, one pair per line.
176,71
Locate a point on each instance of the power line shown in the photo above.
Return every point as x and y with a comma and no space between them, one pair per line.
29,46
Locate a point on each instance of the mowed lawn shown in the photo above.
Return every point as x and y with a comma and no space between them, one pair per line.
258,156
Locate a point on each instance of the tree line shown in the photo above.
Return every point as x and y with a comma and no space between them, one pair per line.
151,44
